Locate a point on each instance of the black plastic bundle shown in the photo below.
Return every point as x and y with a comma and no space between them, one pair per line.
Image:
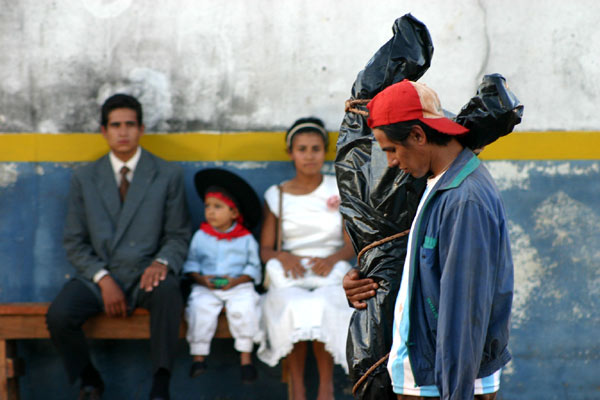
492,113
378,202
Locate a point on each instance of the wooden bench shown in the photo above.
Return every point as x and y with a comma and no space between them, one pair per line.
28,321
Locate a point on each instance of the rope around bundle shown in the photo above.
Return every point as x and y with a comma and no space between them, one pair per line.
380,242
366,374
363,378
351,106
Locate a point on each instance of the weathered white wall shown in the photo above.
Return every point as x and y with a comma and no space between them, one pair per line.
249,65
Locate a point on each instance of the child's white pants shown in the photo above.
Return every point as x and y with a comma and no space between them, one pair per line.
202,312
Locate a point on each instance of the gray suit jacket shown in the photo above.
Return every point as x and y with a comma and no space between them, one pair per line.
152,223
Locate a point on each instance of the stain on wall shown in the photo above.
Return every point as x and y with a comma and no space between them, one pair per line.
238,65
8,174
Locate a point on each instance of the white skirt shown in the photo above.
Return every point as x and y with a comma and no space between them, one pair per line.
292,314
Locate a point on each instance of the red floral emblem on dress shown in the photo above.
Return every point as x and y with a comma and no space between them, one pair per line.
333,203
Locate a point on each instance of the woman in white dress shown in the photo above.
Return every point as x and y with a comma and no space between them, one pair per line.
305,303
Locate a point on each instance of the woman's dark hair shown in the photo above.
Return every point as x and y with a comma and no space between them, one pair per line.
120,100
304,125
400,131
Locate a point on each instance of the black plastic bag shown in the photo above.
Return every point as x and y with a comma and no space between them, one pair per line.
378,202
490,114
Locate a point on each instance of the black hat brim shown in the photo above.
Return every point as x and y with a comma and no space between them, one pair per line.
244,195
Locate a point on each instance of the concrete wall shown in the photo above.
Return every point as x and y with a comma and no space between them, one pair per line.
240,65
256,66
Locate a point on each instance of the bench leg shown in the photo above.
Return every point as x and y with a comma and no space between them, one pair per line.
3,371
9,386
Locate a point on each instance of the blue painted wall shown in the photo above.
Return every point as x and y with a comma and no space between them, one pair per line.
555,233
555,236
34,268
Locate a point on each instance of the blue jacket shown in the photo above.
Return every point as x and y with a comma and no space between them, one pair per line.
461,282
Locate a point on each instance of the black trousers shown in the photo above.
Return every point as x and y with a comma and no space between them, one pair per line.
76,302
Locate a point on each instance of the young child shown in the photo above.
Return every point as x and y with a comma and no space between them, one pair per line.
224,264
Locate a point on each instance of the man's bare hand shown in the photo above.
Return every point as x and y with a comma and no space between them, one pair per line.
358,289
113,297
153,275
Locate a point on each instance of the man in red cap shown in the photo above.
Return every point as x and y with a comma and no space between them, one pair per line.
452,313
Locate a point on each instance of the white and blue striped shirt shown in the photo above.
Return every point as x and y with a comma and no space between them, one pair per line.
398,366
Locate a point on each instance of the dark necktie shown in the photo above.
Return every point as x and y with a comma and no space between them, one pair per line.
124,183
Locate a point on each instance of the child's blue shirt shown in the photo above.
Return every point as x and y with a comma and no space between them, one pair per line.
233,257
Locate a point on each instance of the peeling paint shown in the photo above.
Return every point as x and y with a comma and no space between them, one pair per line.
8,174
576,311
69,165
568,222
39,170
529,272
567,168
248,165
517,174
509,174
593,287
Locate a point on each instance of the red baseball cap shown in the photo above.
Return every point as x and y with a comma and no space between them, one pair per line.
406,101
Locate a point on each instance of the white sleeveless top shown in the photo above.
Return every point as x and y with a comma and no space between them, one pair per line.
310,227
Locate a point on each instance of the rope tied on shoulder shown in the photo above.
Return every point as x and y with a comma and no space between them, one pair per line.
351,105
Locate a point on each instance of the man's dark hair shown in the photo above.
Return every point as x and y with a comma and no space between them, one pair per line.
400,131
120,100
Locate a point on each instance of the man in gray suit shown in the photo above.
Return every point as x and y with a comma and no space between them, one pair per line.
126,234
